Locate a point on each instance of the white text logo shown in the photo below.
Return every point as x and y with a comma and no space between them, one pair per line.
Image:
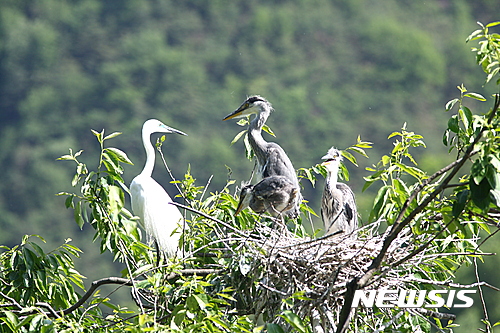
413,298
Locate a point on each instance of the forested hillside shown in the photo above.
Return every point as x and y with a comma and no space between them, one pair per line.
333,70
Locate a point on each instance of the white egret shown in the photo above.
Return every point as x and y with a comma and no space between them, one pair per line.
338,205
151,202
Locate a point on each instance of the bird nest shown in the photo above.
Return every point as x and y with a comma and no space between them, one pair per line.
310,276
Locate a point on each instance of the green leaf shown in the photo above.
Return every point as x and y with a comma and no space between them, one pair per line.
192,303
243,121
112,135
116,199
238,136
98,135
393,134
306,209
412,171
119,155
477,96
294,321
274,328
78,215
359,151
492,24
69,201
248,148
453,124
379,202
480,194
473,35
268,130
459,204
478,171
344,173
202,300
66,158
495,195
450,104
350,157
11,320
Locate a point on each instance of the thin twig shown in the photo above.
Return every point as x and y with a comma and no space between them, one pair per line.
481,297
239,232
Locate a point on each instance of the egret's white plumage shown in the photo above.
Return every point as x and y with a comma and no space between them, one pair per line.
338,205
151,202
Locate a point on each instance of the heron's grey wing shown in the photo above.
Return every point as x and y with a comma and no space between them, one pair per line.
332,203
278,163
277,193
350,209
273,189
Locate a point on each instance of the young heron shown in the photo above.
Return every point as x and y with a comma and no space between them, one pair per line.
275,195
150,201
338,205
271,158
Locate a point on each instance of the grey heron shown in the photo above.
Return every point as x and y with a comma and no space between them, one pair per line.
338,205
275,195
151,202
271,158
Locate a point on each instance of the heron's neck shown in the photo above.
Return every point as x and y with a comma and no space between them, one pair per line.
255,133
332,177
150,155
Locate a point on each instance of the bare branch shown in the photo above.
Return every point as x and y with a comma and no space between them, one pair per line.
93,287
481,297
238,232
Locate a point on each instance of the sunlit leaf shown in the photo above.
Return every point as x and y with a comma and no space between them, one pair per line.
477,96
119,155
294,321
112,135
450,104
238,136
268,130
349,157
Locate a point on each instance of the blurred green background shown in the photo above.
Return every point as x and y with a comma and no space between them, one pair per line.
333,70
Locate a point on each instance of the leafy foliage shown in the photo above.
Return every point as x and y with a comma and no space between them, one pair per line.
215,286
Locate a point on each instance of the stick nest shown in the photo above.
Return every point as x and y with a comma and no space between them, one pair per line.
313,271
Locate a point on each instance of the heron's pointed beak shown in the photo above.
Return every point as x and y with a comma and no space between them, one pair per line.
239,208
234,114
240,112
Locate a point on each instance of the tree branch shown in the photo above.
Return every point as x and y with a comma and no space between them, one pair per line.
401,222
237,231
96,284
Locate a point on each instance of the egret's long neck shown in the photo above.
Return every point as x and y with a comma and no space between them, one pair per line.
255,133
150,154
